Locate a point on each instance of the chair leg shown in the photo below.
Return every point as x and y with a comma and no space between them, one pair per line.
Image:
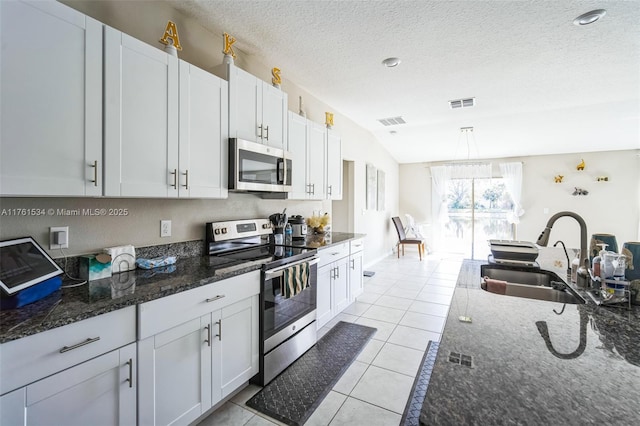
398,249
403,249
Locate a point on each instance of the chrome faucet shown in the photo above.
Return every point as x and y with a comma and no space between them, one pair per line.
543,240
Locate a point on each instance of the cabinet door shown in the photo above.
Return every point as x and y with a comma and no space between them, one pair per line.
175,373
12,407
245,105
297,129
340,286
203,134
274,116
238,336
323,295
103,388
316,151
141,118
334,166
50,100
356,280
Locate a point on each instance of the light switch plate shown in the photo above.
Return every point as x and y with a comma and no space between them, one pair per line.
165,228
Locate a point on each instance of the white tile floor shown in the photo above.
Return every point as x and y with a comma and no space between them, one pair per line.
407,301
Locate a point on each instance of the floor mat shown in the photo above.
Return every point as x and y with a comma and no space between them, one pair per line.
295,394
411,416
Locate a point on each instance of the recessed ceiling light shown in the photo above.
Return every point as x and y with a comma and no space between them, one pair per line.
589,17
391,62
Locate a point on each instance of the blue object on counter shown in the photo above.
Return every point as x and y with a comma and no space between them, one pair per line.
31,294
155,262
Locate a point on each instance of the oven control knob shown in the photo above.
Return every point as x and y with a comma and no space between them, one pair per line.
293,328
216,231
224,230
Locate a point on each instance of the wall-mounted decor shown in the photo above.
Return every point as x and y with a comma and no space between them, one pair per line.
328,119
381,184
580,191
276,80
170,39
228,46
558,179
581,165
372,187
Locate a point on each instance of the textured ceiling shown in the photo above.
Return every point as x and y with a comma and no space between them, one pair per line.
542,85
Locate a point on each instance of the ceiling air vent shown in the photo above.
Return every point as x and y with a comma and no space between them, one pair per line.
392,121
462,103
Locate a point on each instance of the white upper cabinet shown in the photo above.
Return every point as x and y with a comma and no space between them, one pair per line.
202,134
307,146
141,119
317,160
297,136
257,110
334,166
50,100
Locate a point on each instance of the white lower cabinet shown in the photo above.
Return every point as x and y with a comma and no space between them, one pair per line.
99,390
356,279
333,283
186,369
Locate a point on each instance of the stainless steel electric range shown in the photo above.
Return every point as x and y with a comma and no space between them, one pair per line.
287,325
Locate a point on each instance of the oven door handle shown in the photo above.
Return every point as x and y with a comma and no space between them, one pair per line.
277,272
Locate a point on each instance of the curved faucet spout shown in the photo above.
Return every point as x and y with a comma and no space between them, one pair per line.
543,239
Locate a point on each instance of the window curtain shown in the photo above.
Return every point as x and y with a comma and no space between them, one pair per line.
512,175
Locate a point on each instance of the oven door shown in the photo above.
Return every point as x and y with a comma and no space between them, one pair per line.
278,312
257,167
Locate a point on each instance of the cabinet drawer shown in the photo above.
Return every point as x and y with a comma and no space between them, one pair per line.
34,357
162,314
333,253
357,245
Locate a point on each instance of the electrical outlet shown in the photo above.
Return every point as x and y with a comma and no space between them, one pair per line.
165,228
58,237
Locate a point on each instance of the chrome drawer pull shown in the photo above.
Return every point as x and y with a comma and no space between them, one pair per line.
174,173
208,327
77,345
95,173
219,296
130,379
219,336
186,179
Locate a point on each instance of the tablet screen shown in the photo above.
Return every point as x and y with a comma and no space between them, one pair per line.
24,263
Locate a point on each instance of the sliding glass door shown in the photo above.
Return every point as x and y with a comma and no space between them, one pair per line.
477,212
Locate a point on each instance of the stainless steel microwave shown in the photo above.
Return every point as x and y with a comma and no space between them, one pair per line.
258,167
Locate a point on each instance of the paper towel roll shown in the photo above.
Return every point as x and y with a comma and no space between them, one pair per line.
123,258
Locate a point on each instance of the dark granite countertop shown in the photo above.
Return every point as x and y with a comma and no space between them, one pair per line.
327,240
534,362
97,297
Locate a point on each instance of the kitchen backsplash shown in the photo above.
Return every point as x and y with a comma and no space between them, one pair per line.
96,223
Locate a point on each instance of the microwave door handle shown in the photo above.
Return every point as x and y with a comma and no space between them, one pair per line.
281,171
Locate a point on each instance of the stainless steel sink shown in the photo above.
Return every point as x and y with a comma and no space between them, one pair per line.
533,284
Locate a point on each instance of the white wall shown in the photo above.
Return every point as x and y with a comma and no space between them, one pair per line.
146,21
611,207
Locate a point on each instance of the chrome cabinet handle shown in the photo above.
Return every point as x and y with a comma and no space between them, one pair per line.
260,128
208,341
95,173
77,345
186,179
219,335
329,188
130,379
219,296
175,178
267,130
353,264
313,188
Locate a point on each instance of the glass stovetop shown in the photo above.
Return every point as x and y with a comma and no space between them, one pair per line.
268,255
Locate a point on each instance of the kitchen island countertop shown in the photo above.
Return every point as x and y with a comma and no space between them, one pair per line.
534,362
